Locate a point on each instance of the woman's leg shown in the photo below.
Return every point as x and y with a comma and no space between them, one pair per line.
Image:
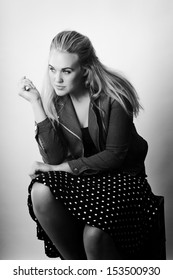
99,245
64,232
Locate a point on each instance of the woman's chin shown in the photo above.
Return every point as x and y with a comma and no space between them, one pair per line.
61,92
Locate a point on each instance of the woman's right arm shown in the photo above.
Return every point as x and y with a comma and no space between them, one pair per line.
48,138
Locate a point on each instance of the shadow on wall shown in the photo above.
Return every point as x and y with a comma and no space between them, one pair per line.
166,183
164,173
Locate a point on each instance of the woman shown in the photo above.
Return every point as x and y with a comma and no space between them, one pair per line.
90,198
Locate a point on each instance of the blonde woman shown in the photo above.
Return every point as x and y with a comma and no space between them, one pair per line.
90,198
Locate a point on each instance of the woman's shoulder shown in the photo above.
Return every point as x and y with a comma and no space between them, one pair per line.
107,103
110,100
105,98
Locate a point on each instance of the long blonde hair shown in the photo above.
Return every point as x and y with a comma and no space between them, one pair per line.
98,78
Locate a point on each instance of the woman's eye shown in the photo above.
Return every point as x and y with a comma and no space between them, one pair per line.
52,69
66,72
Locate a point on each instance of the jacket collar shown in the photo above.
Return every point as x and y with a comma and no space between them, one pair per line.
67,116
69,120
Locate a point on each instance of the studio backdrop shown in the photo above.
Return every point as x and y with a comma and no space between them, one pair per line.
131,36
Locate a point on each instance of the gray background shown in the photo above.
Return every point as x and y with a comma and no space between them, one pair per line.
133,36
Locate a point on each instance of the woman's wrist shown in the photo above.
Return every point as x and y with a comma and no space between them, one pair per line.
36,101
62,167
38,110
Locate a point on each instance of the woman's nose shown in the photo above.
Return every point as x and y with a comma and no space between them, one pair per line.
58,77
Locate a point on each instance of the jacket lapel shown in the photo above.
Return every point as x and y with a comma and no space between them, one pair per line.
71,128
70,125
68,118
93,125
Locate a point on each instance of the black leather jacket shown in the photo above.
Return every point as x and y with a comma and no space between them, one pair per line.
119,145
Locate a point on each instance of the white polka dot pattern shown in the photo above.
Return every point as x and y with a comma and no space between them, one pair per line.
122,205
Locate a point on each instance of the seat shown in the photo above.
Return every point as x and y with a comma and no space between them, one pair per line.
155,247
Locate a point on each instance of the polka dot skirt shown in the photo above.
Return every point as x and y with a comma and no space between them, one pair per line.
120,204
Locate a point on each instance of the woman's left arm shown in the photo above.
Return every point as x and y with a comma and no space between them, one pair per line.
112,157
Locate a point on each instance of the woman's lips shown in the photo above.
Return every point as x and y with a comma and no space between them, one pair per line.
60,87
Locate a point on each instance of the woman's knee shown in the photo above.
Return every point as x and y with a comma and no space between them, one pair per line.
41,198
99,245
92,237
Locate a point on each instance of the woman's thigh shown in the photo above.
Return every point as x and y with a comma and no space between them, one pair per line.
65,231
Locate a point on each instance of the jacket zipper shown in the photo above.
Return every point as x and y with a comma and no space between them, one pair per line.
74,134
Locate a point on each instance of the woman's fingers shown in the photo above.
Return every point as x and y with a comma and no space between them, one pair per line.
35,168
28,90
39,167
32,170
27,84
33,176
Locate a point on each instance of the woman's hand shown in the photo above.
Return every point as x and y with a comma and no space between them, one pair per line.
31,94
39,167
44,167
28,90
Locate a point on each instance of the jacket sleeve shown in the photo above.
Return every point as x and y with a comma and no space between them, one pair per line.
50,142
116,148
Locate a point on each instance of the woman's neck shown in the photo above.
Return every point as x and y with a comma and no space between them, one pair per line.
80,96
81,106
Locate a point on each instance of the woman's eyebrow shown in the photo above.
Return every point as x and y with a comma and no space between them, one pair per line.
64,68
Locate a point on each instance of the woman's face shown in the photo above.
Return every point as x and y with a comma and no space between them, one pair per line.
65,72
